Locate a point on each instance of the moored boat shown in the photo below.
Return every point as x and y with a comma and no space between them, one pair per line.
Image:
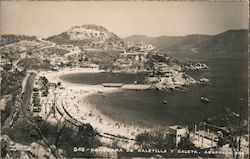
165,102
204,100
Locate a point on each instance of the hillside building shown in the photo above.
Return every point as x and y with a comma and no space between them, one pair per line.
176,132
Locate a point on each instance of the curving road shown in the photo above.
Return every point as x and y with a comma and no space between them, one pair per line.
28,87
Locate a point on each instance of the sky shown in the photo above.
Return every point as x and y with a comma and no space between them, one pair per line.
123,18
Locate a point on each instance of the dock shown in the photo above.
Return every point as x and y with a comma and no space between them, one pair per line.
127,86
116,85
136,86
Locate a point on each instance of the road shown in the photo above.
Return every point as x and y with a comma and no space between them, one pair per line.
28,87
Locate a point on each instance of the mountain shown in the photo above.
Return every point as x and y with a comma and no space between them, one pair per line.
188,42
160,42
170,43
88,35
231,40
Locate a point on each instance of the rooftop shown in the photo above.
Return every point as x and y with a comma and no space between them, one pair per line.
176,127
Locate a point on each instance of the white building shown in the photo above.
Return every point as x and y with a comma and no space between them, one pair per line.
130,44
4,61
147,48
176,132
76,49
67,47
23,55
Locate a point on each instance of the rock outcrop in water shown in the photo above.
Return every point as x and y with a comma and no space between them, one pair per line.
166,74
171,81
194,66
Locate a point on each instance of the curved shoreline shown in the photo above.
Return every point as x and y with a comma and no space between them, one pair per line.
74,98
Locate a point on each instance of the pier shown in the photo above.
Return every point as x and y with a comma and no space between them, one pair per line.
112,85
127,86
136,86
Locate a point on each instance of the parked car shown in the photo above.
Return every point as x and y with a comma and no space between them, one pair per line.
36,109
35,89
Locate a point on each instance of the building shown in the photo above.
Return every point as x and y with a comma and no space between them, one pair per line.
75,49
130,44
176,132
147,48
160,65
138,56
67,47
205,138
4,62
23,55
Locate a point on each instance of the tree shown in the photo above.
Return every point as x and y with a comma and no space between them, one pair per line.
221,142
7,67
186,143
59,83
87,136
157,139
143,139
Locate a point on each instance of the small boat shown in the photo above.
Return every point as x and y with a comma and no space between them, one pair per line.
165,102
204,80
204,100
241,98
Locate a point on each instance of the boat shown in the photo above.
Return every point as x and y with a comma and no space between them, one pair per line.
204,100
204,80
165,102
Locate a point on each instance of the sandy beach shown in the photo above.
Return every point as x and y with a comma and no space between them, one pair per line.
72,99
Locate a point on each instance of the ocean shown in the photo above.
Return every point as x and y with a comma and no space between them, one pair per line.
228,90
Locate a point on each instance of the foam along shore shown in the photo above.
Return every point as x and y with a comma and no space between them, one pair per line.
71,99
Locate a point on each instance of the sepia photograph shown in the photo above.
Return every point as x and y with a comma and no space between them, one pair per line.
124,79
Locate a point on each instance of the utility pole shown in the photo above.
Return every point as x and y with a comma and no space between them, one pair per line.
203,134
54,103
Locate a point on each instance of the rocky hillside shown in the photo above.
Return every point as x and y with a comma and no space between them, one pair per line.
88,36
231,40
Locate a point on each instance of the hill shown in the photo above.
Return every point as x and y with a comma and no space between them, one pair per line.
88,36
10,38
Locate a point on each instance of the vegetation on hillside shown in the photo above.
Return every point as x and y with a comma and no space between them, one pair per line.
158,139
11,81
89,41
9,38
